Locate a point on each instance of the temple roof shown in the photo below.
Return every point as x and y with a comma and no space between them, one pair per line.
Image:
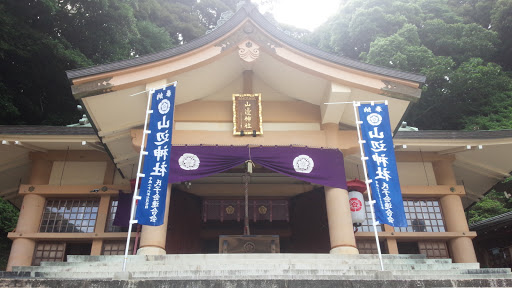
247,11
493,223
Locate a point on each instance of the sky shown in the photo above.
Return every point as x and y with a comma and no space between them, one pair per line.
303,13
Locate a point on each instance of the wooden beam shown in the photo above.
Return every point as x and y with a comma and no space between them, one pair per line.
402,156
30,147
456,150
116,136
410,236
433,191
71,155
96,146
72,190
70,236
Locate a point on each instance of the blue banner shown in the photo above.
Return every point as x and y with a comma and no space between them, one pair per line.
153,187
381,164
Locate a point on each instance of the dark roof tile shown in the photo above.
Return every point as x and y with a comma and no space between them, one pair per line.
45,130
446,134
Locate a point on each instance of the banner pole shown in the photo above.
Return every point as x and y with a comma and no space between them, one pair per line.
370,200
139,175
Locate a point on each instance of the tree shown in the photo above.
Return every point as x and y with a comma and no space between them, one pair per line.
459,41
41,39
501,22
8,220
440,39
493,204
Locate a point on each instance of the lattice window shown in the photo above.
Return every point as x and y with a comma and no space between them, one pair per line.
423,215
69,215
434,249
49,252
116,247
369,247
367,225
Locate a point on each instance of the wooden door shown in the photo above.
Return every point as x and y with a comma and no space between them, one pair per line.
310,229
184,225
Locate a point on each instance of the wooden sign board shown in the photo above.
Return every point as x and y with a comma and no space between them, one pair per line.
247,114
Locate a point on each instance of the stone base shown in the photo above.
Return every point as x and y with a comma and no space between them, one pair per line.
344,250
151,251
250,283
122,276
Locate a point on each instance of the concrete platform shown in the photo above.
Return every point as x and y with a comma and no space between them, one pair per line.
256,270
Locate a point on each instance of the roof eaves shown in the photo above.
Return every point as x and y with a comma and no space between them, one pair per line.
45,130
237,18
492,222
344,61
449,134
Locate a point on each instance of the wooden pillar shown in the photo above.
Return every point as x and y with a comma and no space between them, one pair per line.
153,238
103,209
101,223
22,250
341,230
461,248
391,242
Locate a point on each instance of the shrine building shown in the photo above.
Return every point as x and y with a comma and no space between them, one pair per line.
67,180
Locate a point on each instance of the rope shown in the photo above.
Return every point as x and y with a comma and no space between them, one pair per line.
246,194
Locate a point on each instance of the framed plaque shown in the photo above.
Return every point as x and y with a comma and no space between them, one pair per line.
247,114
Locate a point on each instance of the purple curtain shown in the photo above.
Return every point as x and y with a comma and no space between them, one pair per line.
315,165
122,218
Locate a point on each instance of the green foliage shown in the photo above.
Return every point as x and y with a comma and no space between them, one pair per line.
401,51
493,204
41,39
152,38
458,45
8,219
501,22
459,41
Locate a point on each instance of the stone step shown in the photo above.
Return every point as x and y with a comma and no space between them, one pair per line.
183,262
14,274
264,274
455,276
219,257
483,271
247,267
260,283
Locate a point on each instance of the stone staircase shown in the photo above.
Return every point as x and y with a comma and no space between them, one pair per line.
256,270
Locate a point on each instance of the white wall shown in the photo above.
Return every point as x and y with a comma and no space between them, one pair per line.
416,173
77,173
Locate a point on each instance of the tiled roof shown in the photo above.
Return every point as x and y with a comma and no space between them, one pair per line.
232,23
445,134
492,223
44,130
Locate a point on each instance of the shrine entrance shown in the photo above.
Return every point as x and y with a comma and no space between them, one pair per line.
197,223
270,204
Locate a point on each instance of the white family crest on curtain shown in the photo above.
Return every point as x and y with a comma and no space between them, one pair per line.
153,187
381,163
303,164
189,161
